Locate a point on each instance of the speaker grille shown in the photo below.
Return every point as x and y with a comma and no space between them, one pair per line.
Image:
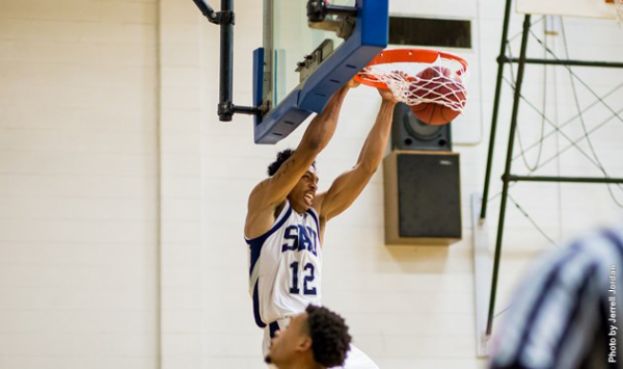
429,200
408,133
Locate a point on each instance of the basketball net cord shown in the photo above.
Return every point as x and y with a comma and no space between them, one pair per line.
436,85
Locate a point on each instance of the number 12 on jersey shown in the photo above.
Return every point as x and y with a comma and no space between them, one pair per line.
308,278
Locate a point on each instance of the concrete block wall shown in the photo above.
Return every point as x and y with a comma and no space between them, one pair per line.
78,184
182,96
122,198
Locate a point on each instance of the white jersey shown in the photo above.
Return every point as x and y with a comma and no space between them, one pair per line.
285,267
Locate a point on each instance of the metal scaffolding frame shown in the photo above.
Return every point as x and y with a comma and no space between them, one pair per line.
507,176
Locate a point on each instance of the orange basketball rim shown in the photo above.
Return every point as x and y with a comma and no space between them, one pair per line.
393,56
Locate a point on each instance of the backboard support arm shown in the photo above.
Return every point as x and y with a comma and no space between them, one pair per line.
225,19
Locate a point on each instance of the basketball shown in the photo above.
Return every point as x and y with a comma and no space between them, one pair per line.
436,83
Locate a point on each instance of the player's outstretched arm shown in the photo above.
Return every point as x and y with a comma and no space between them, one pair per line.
347,187
271,192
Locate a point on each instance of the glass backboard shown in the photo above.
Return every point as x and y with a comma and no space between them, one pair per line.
292,40
302,63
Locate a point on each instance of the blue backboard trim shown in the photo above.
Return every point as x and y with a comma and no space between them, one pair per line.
258,77
369,37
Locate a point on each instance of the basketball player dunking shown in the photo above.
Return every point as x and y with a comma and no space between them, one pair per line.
286,219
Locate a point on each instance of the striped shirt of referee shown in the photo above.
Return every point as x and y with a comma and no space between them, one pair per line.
566,313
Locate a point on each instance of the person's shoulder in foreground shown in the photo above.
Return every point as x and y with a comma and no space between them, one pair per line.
566,312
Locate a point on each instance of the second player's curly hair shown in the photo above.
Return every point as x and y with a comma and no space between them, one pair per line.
282,156
329,334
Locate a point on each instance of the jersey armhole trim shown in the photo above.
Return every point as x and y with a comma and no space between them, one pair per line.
285,213
256,307
256,244
314,215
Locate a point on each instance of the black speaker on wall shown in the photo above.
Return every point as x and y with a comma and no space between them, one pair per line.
422,197
409,133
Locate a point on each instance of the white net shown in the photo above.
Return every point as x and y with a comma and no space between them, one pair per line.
419,83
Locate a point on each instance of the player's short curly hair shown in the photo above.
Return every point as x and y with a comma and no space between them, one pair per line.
282,156
329,334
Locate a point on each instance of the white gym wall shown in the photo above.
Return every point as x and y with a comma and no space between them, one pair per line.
79,209
122,197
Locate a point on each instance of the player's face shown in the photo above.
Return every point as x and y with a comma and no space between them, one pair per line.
289,342
303,194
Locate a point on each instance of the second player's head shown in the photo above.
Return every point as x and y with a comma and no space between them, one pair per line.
317,338
303,194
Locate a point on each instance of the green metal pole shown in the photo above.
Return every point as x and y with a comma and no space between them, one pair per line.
507,170
496,105
516,178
